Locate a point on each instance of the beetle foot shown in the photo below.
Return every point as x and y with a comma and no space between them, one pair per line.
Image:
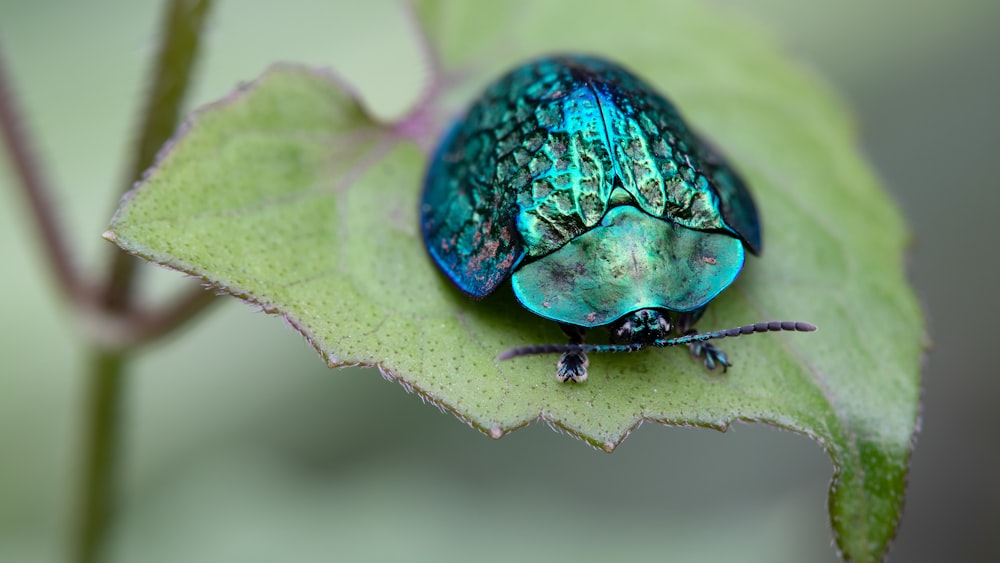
712,355
572,365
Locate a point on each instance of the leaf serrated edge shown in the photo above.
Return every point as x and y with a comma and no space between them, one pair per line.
234,96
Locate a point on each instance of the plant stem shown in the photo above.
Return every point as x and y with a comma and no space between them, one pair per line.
147,326
38,192
180,35
182,25
101,430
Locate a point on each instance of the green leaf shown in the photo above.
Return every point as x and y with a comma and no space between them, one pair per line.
288,195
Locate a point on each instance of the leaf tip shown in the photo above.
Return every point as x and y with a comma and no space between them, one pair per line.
496,433
110,236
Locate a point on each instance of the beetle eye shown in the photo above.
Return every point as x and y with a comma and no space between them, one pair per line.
663,323
623,332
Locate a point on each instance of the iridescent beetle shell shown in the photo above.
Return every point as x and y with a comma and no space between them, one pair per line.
585,187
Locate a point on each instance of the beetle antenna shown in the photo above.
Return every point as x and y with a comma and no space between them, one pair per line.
773,326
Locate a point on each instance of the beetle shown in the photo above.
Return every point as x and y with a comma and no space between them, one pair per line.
577,181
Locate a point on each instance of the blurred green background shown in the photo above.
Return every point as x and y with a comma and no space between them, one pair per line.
240,445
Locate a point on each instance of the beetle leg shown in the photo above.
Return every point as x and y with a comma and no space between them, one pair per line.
712,355
572,365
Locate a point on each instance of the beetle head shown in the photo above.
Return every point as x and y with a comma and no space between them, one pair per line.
643,326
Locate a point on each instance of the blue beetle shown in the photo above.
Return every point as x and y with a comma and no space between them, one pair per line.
577,181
